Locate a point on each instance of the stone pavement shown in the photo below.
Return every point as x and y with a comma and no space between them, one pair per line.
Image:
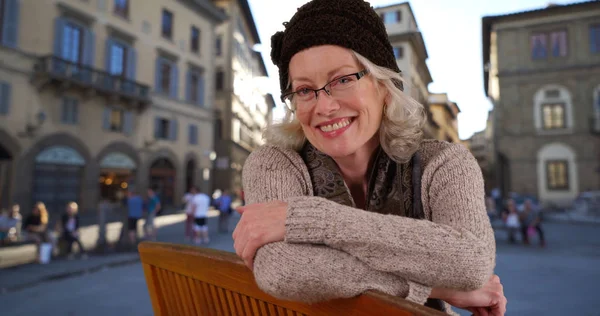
171,229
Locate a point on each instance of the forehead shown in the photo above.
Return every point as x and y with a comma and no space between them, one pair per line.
320,60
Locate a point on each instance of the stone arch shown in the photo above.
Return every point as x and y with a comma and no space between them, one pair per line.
9,152
88,194
168,154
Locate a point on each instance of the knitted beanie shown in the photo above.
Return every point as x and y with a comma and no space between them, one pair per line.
348,23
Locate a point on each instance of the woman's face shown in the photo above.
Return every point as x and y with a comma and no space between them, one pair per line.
338,126
36,210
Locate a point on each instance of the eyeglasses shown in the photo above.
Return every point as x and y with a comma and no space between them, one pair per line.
304,98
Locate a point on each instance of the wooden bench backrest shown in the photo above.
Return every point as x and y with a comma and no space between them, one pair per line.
185,280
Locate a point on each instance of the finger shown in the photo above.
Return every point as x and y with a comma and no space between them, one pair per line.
495,278
249,252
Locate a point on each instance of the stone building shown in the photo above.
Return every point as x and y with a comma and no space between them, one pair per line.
101,96
542,73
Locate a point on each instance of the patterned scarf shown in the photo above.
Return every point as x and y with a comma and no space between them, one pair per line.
393,188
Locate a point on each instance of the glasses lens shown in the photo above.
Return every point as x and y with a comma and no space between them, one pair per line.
288,102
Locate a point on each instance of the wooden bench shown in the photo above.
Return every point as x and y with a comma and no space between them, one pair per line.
185,280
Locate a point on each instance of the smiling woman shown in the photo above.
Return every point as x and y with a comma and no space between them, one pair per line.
346,196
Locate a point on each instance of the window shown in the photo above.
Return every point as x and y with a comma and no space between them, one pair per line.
122,8
539,46
9,22
195,40
165,129
220,78
5,91
558,42
557,175
193,134
70,111
399,52
391,17
116,120
194,81
218,45
72,45
165,74
595,39
118,59
167,24
553,116
2,8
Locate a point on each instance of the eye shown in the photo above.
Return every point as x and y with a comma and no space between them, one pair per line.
303,92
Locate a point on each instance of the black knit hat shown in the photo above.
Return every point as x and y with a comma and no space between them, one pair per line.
348,23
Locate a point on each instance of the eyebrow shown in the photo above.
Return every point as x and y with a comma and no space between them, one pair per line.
331,72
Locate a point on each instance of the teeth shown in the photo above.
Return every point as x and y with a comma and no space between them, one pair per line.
335,126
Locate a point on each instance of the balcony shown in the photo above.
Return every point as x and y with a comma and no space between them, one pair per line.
65,74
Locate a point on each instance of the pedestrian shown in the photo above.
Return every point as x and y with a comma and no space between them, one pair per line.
511,220
70,230
200,206
153,207
10,225
189,216
531,223
346,192
36,226
135,211
223,203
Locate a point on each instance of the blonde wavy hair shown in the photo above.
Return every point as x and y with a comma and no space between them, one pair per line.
43,212
401,130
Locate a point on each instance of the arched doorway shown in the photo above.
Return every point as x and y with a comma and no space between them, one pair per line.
162,178
5,176
57,177
190,171
117,174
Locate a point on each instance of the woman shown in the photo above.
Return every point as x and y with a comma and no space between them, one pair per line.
346,197
36,226
70,229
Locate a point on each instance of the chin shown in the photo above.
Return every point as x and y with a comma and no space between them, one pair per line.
338,150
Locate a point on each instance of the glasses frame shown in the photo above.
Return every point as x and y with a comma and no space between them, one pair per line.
358,76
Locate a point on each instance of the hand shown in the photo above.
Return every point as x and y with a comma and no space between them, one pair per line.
487,301
260,224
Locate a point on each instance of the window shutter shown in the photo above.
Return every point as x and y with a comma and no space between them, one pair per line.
201,90
398,16
157,131
128,123
158,76
59,26
188,86
75,111
173,131
11,23
108,54
131,63
174,81
89,49
106,118
4,98
64,112
594,37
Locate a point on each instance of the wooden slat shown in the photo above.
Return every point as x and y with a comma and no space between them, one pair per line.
228,281
207,301
153,288
198,297
184,295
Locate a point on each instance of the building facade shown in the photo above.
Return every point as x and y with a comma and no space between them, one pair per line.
445,115
101,96
542,73
243,108
411,56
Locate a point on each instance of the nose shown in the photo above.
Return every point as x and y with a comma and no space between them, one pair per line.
326,105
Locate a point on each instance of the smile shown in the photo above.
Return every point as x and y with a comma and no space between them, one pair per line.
336,126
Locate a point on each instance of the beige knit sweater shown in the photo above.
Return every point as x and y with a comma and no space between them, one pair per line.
335,251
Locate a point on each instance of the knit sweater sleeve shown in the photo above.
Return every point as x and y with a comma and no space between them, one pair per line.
456,249
306,272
